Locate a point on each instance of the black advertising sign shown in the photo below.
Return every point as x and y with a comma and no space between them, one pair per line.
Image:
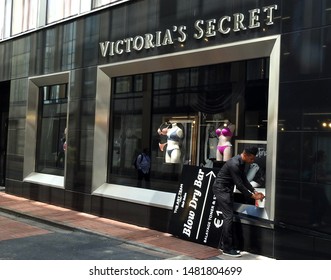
194,215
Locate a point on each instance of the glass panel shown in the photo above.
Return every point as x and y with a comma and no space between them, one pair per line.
85,6
18,10
60,9
126,124
305,14
52,130
69,41
3,19
25,15
99,3
180,114
304,149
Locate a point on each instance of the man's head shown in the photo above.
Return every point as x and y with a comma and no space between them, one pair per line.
249,154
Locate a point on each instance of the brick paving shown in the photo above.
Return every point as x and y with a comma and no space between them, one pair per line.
99,225
10,229
107,227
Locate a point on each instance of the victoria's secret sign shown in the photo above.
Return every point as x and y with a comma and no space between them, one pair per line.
203,29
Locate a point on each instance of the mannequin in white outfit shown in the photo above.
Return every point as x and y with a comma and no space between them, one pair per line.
174,134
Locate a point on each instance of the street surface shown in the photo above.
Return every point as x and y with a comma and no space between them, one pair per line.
26,239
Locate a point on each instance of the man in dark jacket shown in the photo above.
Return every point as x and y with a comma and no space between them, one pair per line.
233,174
143,165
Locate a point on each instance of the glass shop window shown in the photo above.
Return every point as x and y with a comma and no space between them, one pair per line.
52,132
127,104
196,116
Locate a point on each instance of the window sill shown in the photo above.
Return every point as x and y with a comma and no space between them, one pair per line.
137,195
45,179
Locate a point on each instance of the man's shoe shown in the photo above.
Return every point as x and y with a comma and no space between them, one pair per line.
232,253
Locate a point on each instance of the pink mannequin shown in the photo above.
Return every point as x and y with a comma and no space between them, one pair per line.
224,146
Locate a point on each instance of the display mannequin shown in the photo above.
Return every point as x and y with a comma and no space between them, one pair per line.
174,134
224,146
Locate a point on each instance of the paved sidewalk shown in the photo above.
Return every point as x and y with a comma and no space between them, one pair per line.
64,217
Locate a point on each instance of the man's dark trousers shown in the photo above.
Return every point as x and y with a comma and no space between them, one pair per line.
225,205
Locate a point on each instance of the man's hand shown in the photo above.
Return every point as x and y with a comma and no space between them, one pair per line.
258,196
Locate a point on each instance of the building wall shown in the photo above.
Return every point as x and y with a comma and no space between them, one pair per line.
304,81
302,198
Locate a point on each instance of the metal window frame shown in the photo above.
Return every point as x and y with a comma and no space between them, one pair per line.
243,50
31,125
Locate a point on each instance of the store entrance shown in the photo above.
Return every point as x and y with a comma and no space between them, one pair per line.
4,112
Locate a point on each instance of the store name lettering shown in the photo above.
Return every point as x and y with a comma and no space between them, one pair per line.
202,29
193,204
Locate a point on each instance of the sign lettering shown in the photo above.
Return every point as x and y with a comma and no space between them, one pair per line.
237,22
195,216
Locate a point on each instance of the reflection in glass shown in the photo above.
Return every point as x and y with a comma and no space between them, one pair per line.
26,13
176,114
60,9
126,125
99,3
52,132
5,21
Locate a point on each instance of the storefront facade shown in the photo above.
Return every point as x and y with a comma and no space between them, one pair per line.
82,97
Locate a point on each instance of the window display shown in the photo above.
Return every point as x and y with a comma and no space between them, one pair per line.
175,135
188,116
224,146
